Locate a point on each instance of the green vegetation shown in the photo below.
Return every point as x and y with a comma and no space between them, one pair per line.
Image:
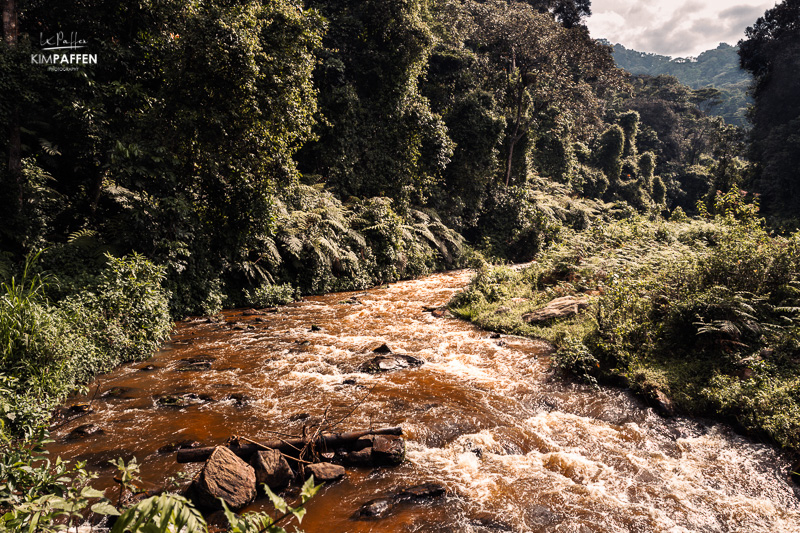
703,310
716,77
771,52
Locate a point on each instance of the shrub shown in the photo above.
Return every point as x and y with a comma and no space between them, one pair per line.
268,295
51,347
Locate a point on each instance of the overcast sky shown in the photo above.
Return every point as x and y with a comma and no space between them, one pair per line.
677,28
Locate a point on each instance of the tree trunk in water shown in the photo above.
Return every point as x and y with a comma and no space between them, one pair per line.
196,455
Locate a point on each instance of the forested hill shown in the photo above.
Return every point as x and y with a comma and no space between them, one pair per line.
718,68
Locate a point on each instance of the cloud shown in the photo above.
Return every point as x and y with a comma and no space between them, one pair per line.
675,29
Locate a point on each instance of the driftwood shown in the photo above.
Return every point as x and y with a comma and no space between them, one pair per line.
289,446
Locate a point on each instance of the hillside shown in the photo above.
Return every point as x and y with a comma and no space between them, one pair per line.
717,68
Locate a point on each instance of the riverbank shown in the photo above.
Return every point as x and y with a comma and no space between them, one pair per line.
699,316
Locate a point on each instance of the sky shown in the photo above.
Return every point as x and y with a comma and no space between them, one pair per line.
677,28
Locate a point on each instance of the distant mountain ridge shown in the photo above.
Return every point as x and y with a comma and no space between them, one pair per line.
718,68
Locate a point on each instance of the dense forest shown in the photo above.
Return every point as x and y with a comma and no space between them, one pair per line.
719,69
245,153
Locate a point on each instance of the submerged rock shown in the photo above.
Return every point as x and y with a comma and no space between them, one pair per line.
182,445
388,363
377,508
224,476
381,507
84,431
559,308
117,392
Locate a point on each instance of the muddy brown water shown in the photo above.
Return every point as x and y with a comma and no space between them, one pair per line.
518,449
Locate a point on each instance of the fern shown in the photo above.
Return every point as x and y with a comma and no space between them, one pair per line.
263,522
161,514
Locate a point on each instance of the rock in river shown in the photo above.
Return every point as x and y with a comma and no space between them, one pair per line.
325,472
84,431
381,507
224,476
387,363
272,469
388,450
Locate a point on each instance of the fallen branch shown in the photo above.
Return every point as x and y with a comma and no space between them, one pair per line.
326,441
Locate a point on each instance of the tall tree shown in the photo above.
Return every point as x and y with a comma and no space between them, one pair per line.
541,72
771,52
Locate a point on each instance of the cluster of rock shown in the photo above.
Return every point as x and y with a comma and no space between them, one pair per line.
233,473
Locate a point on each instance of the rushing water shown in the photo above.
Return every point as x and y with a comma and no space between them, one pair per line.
517,449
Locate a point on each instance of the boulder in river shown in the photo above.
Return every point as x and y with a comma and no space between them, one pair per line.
202,362
325,472
224,476
182,400
661,403
388,450
387,363
559,308
271,468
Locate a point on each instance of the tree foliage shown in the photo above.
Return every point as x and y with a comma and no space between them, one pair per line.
771,52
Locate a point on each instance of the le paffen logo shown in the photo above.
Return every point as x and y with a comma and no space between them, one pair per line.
63,52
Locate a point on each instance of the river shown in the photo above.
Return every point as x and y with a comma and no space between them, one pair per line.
517,448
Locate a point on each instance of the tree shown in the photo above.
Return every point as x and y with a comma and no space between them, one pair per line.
570,13
771,52
379,136
540,72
